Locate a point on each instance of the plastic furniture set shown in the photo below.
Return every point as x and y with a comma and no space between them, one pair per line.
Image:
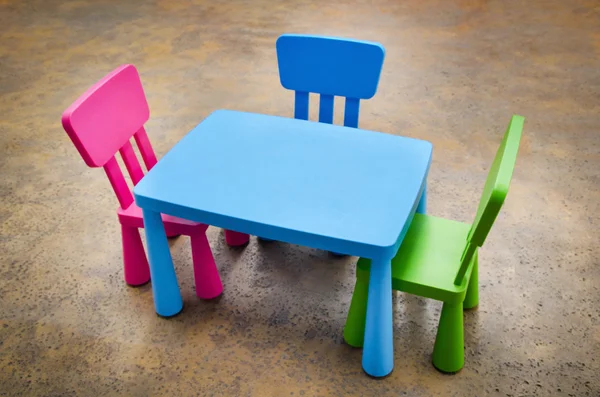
337,188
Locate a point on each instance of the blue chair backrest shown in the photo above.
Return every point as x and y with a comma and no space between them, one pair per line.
331,67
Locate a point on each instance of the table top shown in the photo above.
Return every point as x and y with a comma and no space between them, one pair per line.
315,184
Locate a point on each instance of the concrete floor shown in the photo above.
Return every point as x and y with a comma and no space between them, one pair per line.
455,72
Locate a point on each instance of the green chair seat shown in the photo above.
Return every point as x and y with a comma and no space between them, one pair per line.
429,259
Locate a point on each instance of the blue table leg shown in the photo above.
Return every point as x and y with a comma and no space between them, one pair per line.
378,353
167,297
423,202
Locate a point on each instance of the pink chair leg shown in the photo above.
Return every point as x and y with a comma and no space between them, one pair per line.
235,239
136,269
206,275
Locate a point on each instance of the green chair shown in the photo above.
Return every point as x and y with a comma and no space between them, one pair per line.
438,260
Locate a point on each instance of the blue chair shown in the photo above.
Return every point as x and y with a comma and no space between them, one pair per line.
328,66
331,67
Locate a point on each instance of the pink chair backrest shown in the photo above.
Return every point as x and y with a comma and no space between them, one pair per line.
101,123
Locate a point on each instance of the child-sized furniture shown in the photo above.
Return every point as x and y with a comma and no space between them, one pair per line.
438,260
307,187
330,67
101,123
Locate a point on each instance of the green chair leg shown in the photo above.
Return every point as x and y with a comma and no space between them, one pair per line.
472,296
354,331
449,349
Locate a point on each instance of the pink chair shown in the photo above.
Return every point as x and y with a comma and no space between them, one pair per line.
101,123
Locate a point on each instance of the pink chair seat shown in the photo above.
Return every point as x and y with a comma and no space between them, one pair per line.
132,217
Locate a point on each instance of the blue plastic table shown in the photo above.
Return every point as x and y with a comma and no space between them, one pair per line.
320,185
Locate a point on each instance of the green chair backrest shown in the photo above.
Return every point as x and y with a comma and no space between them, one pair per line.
494,193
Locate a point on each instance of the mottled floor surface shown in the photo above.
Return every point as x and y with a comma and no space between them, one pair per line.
455,72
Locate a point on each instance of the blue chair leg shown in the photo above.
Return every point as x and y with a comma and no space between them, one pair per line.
378,352
423,201
167,297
